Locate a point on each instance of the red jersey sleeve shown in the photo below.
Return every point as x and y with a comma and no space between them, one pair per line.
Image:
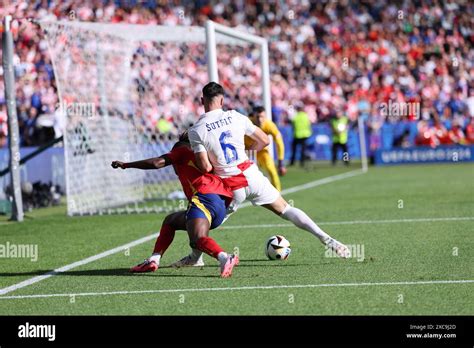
177,155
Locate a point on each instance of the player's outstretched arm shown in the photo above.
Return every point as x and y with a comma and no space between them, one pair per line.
150,163
261,140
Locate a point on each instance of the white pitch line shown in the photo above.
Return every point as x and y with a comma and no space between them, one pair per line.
269,287
322,181
315,183
145,239
76,264
354,222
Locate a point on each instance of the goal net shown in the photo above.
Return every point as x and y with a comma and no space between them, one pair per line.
126,92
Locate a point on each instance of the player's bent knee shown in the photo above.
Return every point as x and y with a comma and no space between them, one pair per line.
177,220
169,219
279,205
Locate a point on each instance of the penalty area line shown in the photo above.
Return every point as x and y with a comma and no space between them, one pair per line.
93,258
241,288
315,183
355,222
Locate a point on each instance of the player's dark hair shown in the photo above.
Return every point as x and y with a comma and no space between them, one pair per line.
184,137
211,90
183,140
258,109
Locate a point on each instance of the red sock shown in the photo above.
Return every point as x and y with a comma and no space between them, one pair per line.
164,239
209,246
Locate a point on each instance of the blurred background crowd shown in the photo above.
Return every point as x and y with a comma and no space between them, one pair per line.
329,57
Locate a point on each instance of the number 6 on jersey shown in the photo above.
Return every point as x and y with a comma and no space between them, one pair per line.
230,153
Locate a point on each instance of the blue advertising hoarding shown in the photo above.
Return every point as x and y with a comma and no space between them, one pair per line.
446,154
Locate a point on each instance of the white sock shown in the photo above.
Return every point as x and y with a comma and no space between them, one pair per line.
303,221
222,257
155,257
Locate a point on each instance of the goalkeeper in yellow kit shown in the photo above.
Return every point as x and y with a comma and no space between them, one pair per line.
264,158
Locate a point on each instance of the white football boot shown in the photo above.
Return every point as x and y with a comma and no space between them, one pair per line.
340,249
188,261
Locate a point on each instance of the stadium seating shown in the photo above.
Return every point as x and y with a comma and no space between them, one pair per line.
340,57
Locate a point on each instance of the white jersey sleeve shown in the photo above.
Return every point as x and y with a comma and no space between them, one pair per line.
221,134
197,143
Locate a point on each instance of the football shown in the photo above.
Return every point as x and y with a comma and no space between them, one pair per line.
277,248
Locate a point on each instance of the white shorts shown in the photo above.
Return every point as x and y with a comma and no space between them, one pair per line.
259,190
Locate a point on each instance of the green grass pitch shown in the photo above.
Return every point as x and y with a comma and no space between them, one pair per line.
415,224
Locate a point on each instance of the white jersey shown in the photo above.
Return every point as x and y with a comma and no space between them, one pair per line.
221,134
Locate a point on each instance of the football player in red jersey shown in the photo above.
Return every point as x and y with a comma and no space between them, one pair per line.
208,199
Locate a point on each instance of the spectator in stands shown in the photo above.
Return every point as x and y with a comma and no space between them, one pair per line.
426,135
427,56
3,125
442,134
470,132
403,140
470,103
456,134
29,128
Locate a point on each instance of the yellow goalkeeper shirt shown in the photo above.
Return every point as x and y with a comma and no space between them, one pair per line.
270,128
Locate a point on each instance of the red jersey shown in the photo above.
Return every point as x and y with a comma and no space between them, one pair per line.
191,178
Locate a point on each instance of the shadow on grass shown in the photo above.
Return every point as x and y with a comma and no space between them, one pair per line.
125,271
108,272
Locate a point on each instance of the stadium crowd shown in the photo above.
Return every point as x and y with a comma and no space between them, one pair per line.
354,57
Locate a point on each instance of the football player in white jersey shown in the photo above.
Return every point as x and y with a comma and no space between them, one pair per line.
217,140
